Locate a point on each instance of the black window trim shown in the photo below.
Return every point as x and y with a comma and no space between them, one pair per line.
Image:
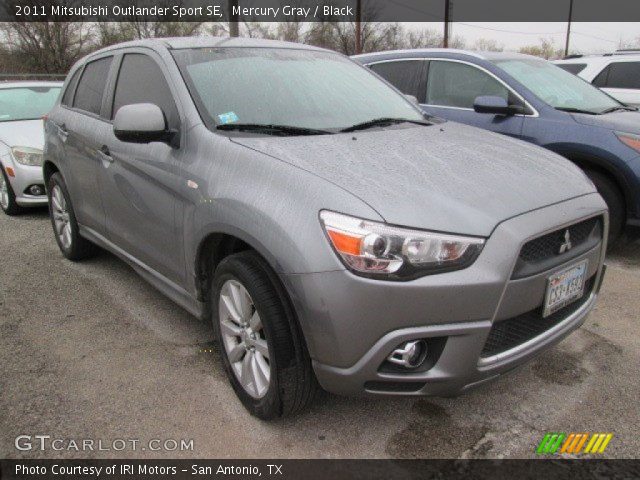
532,112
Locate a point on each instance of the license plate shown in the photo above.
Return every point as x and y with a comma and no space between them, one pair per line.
564,287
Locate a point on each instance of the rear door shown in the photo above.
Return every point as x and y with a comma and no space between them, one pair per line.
81,124
139,181
452,87
407,75
621,80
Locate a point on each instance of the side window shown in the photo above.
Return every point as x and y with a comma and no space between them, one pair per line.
453,84
90,89
407,75
141,81
624,75
601,79
71,86
574,68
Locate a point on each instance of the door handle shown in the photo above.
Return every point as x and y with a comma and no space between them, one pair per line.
105,155
62,131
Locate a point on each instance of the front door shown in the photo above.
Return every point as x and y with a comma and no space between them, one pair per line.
452,88
139,180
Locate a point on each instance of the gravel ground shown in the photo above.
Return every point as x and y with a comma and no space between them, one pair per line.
89,350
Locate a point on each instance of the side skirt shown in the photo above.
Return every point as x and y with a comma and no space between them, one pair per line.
170,289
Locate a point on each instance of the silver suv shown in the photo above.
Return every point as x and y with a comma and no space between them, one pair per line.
333,234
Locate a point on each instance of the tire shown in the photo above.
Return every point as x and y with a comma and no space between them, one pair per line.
63,220
8,202
615,201
291,384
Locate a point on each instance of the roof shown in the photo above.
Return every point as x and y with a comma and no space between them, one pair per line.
208,42
450,51
29,83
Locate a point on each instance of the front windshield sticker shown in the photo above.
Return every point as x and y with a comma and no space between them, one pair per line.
229,117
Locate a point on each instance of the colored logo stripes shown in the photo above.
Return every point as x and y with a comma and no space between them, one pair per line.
574,443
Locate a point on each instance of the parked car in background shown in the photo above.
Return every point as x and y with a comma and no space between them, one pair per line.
617,73
529,98
22,105
329,231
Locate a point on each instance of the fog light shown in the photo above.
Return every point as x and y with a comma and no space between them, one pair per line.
410,354
36,190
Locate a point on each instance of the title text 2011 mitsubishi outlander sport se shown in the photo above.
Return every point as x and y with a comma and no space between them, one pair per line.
333,234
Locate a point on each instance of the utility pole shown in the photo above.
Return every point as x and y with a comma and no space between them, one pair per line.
234,31
445,41
566,45
358,27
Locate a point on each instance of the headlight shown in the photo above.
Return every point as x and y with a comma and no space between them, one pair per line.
27,156
380,250
630,140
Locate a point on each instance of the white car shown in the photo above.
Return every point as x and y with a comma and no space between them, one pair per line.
22,106
617,73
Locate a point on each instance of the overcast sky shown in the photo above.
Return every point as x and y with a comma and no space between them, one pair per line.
585,37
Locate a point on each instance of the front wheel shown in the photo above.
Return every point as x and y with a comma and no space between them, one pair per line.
63,220
8,202
262,348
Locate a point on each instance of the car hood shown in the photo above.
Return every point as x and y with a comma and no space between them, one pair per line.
449,177
620,121
22,133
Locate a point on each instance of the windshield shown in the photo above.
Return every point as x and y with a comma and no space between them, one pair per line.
298,88
26,103
557,87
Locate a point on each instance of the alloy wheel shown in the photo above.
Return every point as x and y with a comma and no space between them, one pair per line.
244,339
4,192
61,217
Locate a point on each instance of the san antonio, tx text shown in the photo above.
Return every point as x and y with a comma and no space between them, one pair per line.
143,469
177,12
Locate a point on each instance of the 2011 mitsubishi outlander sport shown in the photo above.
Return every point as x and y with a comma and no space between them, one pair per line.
333,234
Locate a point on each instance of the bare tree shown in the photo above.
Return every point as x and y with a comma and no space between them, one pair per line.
46,47
487,45
546,49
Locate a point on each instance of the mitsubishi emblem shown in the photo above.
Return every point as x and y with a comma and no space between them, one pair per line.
566,245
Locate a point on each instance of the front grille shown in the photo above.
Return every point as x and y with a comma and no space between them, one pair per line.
510,333
544,252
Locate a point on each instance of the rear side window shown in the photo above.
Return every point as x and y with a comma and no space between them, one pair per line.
141,81
71,86
623,75
574,68
407,75
90,89
454,84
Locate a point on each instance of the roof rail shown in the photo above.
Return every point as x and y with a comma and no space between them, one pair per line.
573,55
626,51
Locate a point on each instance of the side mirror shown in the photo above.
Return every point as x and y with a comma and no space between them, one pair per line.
141,123
495,105
412,99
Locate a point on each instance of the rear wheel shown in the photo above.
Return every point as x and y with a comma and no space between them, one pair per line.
615,201
63,220
262,348
7,196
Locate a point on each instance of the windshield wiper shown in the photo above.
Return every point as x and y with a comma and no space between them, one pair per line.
382,122
270,129
576,110
618,108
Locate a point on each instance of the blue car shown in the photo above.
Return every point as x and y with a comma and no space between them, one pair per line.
533,100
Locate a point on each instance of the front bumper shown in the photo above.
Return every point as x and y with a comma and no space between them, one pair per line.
25,176
352,324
